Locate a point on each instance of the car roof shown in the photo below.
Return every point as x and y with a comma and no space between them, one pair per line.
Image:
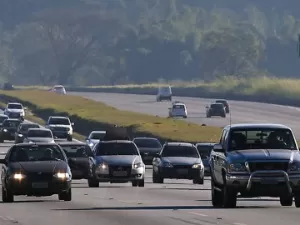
58,86
16,103
145,138
28,123
36,144
205,143
187,144
59,117
64,143
40,128
224,100
117,141
257,125
98,132
12,119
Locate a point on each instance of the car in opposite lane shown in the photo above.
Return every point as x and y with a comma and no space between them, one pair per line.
58,89
61,127
164,93
22,131
35,135
8,129
148,147
15,110
178,109
94,137
178,161
225,104
215,109
204,150
35,170
81,159
3,117
118,161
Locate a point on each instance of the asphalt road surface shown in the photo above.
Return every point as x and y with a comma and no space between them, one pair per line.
241,112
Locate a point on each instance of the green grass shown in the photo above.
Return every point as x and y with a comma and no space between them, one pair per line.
95,111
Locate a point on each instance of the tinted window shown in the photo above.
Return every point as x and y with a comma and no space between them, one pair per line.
40,133
147,143
11,123
204,150
97,135
14,106
76,151
261,139
216,106
60,121
25,127
2,118
116,149
180,151
178,106
36,153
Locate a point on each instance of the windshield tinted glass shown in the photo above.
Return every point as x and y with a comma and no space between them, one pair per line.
11,123
116,149
77,151
36,153
28,126
204,150
147,143
178,106
180,151
60,121
97,135
14,106
39,133
216,106
261,139
2,118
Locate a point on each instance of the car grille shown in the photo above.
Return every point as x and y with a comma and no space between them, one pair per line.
254,166
14,114
120,168
39,177
182,166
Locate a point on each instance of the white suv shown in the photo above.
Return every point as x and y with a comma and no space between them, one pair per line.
178,110
59,89
61,127
164,93
15,110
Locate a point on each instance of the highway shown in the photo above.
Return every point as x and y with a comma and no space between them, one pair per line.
176,202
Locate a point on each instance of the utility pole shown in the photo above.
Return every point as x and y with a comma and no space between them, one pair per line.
298,45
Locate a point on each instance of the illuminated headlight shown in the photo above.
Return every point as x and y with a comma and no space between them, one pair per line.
62,176
91,144
197,166
22,113
138,165
167,164
294,167
5,130
237,167
103,166
18,176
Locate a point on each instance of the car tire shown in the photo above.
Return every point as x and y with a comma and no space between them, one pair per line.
198,181
1,141
65,196
134,183
184,117
93,183
7,196
297,200
286,200
156,179
229,197
216,196
69,138
158,100
141,183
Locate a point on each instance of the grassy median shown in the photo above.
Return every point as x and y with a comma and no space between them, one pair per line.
98,112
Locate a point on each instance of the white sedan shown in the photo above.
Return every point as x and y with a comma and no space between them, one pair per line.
178,110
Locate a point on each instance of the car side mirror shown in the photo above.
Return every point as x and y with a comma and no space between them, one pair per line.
218,148
2,161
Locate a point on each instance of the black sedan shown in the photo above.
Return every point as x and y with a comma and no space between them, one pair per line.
148,147
81,159
35,170
8,129
178,161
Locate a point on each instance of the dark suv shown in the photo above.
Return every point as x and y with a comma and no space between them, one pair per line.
215,109
255,160
225,104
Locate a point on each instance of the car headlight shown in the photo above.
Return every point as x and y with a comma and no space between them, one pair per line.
62,176
294,167
5,130
197,166
167,164
237,167
22,113
18,176
91,144
138,165
103,166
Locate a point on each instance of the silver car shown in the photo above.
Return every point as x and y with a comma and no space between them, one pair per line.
35,135
118,162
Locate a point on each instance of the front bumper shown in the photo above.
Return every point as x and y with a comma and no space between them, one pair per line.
80,174
181,173
61,134
266,183
113,175
178,115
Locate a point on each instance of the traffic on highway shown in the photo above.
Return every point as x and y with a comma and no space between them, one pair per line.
251,160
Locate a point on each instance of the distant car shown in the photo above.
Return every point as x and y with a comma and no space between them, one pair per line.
8,86
61,127
178,161
148,147
164,93
59,89
36,135
2,118
15,110
118,162
215,109
81,159
8,129
204,150
178,110
36,170
95,137
225,103
22,131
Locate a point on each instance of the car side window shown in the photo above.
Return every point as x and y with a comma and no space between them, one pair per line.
222,136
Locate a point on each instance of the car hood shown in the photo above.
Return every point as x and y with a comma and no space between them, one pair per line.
118,159
14,110
150,150
264,154
181,160
41,166
37,139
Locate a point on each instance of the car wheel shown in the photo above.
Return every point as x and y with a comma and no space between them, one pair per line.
156,179
184,117
1,141
7,196
65,196
216,196
198,181
141,183
134,183
286,200
93,183
297,200
69,138
229,197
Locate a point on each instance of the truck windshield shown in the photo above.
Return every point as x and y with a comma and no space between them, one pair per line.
277,138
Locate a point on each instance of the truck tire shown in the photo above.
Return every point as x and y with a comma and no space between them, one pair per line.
286,200
216,196
156,179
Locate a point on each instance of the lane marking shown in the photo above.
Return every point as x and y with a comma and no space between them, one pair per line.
239,224
200,214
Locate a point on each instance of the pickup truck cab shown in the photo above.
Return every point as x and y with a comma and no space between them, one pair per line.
255,160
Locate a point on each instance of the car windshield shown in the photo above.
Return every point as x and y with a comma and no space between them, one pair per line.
28,126
222,101
2,118
60,121
97,135
180,151
40,133
11,123
36,153
116,149
14,106
77,151
178,106
147,143
256,138
204,150
59,88
216,106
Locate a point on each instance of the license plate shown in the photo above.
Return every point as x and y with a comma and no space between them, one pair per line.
39,185
268,181
120,173
182,171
